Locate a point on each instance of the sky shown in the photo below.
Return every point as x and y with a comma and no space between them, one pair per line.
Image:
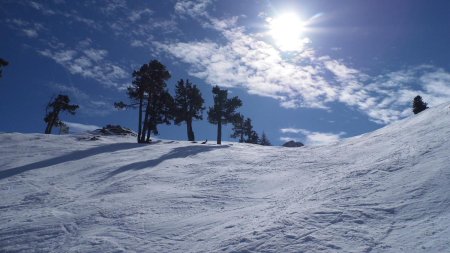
311,71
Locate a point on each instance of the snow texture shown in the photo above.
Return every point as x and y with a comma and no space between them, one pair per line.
385,191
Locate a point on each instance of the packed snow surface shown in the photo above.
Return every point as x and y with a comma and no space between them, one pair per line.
385,191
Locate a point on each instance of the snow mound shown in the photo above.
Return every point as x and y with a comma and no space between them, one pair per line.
385,191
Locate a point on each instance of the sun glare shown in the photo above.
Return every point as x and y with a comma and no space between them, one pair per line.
286,30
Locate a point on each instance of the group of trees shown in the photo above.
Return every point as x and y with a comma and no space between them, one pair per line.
148,90
148,93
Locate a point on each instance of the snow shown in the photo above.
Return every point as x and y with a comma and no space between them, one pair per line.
385,191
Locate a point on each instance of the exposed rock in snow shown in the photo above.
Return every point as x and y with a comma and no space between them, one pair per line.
385,191
114,130
293,144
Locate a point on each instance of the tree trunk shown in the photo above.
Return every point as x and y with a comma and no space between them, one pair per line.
219,131
144,131
149,131
190,132
140,119
51,122
47,128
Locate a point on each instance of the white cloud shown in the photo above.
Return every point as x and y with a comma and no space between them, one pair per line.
311,138
137,43
111,6
95,54
138,14
286,139
291,130
41,7
315,138
193,8
257,66
29,29
30,33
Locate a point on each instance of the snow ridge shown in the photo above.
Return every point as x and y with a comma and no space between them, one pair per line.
382,191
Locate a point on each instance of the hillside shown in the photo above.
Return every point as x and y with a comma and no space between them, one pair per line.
383,191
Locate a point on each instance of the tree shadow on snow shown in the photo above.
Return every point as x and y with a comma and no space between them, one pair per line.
77,155
180,152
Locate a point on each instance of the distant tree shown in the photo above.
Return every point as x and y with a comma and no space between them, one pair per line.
63,128
223,111
148,90
3,63
59,104
252,136
238,128
243,129
264,140
419,105
188,105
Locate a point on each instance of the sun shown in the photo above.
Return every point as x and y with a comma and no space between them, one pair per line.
286,30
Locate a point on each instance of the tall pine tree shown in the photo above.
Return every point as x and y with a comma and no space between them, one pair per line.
419,105
60,104
148,90
223,110
188,105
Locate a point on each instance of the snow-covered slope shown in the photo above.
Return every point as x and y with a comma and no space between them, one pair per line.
386,191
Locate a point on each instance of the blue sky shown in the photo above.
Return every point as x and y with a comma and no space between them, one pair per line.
335,70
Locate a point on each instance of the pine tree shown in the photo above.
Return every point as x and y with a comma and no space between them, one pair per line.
264,140
160,112
59,104
148,90
238,128
223,111
419,105
252,136
188,105
3,63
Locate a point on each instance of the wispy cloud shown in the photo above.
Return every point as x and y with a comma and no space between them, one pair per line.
93,106
28,29
311,138
192,8
138,14
88,62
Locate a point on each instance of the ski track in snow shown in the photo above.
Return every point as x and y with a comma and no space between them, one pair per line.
385,191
